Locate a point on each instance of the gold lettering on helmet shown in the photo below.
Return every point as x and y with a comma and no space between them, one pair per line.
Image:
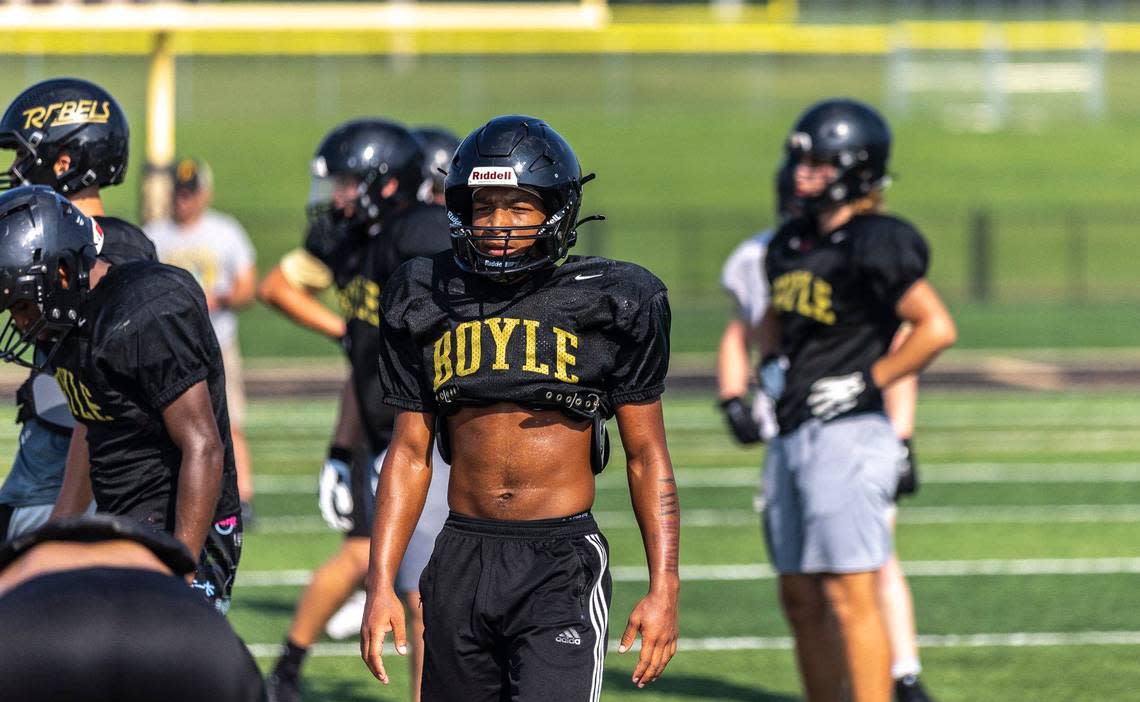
68,112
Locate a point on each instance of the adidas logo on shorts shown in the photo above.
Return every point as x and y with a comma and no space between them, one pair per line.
569,636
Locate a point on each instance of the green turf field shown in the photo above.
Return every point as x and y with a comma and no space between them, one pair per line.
1022,548
685,147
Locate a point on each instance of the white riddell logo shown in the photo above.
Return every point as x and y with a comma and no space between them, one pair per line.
492,175
569,636
587,277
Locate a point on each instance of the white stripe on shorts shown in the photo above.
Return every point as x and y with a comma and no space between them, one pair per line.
599,617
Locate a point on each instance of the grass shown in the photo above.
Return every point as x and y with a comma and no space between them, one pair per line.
986,458
685,147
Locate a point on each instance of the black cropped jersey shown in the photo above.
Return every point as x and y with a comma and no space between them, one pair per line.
145,340
836,297
418,231
583,337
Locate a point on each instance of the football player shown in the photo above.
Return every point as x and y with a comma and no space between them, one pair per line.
364,221
513,363
86,606
72,136
843,279
753,420
133,350
438,145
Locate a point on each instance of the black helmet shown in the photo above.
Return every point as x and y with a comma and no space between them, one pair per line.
850,135
363,155
786,205
522,152
47,249
65,115
439,146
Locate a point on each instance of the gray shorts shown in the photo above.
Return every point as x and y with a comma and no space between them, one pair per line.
427,528
828,492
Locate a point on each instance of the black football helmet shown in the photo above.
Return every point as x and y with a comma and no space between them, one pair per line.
352,168
47,250
439,145
65,115
786,205
850,135
522,152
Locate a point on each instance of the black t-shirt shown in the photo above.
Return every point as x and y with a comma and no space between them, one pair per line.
146,339
836,297
123,241
421,230
583,337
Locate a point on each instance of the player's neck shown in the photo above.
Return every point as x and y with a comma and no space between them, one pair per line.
97,272
833,218
88,201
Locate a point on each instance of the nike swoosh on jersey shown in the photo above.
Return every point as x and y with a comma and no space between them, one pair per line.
587,277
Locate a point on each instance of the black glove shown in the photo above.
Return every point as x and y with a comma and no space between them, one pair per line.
740,421
908,479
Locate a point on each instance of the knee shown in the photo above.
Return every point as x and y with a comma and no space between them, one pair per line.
851,597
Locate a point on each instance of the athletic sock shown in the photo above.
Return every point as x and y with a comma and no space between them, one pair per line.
289,664
904,667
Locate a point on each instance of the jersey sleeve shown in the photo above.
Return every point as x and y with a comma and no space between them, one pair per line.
894,260
644,357
402,375
744,279
164,350
303,270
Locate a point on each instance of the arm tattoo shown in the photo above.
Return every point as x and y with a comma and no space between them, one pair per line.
670,513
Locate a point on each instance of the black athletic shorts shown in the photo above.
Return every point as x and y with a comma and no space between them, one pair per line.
217,566
516,611
119,635
361,473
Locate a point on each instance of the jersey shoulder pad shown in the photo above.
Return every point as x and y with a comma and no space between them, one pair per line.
123,241
617,278
411,283
422,231
873,231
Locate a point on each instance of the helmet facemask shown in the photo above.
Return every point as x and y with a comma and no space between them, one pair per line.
342,210
552,239
58,288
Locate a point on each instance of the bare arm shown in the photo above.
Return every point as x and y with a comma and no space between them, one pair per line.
733,367
299,305
75,493
189,420
901,398
932,331
349,430
655,504
769,334
400,496
242,292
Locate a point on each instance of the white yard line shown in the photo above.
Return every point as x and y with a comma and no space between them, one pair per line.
713,518
747,476
760,571
783,643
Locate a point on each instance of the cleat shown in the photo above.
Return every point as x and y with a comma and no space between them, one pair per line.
280,689
908,688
